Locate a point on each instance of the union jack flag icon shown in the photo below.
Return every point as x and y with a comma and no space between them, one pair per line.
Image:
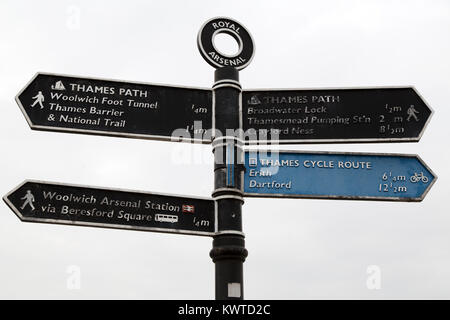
188,208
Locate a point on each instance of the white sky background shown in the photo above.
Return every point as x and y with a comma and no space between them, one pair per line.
298,249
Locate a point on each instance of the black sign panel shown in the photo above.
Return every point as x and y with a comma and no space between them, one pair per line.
334,115
35,201
107,107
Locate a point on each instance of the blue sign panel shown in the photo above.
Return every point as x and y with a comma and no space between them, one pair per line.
336,175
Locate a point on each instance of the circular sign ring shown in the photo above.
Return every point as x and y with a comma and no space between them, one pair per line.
234,35
213,56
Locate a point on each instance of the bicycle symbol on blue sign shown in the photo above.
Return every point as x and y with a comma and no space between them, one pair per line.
418,177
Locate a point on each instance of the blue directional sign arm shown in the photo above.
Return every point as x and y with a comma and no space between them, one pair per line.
337,176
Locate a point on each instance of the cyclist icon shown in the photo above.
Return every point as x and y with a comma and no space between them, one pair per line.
39,98
419,177
29,199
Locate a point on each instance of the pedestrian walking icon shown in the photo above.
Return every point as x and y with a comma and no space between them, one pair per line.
39,98
412,113
29,199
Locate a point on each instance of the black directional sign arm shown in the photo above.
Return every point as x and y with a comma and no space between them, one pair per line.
116,108
48,202
334,115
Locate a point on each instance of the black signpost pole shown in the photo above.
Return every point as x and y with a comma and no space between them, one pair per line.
228,252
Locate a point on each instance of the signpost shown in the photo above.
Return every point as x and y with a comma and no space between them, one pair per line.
229,118
334,115
37,201
116,108
329,175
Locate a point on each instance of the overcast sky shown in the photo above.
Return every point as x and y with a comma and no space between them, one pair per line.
298,249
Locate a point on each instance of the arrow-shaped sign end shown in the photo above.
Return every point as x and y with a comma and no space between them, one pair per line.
9,202
433,180
421,98
20,104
